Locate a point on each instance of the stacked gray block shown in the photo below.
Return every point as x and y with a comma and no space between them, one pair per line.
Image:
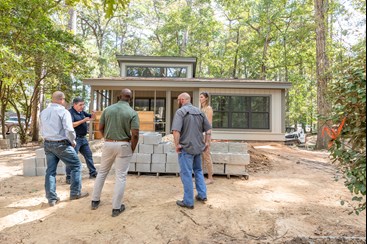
36,166
143,161
29,166
155,156
172,165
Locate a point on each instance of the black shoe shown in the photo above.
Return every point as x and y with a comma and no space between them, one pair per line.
53,202
182,204
116,212
93,176
81,195
201,199
68,181
95,204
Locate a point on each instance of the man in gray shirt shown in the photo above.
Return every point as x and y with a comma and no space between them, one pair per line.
188,126
59,135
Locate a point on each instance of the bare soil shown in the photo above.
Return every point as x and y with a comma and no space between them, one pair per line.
291,197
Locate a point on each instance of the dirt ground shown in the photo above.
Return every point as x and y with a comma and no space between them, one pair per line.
291,197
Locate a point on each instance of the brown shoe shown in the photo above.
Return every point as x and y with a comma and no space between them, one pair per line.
81,195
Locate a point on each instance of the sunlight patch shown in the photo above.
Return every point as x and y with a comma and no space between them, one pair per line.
30,202
24,216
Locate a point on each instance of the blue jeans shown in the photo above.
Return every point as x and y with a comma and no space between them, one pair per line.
82,146
189,163
56,151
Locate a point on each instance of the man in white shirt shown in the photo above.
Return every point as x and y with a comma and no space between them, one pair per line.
59,140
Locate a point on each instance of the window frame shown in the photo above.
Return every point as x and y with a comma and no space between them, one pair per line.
231,111
165,68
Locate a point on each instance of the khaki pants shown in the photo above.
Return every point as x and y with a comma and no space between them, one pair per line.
208,163
119,153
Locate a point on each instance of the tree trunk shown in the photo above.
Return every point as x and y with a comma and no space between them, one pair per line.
322,76
234,72
35,103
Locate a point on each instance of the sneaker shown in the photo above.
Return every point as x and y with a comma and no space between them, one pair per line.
68,181
182,204
53,202
116,212
81,195
201,199
95,204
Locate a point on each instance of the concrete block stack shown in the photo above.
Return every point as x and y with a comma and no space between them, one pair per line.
229,158
154,156
36,166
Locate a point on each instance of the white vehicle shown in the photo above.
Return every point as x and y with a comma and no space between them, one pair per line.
293,135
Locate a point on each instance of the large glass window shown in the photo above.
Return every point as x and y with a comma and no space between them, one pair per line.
142,71
241,112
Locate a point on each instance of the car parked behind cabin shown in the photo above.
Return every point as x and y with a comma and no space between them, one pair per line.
295,135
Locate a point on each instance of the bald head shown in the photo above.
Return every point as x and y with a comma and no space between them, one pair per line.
125,95
183,99
58,97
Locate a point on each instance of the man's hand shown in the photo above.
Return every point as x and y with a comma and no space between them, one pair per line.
178,148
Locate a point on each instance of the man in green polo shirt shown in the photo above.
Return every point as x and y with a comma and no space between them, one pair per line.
119,124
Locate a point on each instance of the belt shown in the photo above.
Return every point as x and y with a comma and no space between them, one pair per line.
109,140
57,141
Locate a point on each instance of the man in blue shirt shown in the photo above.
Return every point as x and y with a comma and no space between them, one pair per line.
59,139
80,119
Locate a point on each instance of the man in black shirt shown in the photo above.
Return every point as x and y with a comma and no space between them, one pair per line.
80,119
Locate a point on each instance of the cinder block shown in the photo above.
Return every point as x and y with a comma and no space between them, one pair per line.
141,138
29,167
60,170
142,167
41,162
143,148
40,171
172,168
172,158
159,148
158,168
40,153
159,158
220,158
237,147
219,147
169,147
143,158
231,169
132,167
239,159
134,158
152,138
218,169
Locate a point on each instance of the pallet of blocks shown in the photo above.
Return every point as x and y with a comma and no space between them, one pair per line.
154,156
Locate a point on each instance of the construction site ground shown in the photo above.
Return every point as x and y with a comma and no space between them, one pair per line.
291,196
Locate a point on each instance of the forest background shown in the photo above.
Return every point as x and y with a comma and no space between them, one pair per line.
317,45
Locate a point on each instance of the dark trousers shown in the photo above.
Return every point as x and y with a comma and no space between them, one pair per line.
82,146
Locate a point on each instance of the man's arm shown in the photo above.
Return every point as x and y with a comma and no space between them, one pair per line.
176,137
101,128
77,123
134,138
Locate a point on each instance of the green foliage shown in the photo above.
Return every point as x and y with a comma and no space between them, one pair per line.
349,149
